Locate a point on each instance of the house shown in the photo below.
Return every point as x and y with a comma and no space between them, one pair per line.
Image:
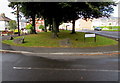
80,24
38,22
22,23
111,21
4,22
83,24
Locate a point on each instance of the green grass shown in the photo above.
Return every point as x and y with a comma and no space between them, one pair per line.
110,30
44,39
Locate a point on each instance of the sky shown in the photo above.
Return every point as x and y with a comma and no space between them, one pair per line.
7,10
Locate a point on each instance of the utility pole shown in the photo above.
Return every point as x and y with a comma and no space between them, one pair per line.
18,19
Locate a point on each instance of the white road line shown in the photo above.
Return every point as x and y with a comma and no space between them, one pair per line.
37,68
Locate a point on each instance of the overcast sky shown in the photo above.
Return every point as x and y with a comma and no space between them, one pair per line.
5,9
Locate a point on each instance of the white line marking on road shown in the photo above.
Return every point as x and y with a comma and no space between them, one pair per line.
37,68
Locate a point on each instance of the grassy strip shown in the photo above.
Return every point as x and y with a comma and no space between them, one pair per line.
44,39
110,30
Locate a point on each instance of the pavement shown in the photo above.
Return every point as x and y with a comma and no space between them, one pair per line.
57,50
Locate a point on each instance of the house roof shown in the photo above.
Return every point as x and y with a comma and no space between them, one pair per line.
4,18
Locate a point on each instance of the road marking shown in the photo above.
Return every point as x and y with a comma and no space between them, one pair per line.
37,68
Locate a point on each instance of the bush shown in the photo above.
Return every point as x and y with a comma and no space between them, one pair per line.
41,27
12,24
29,26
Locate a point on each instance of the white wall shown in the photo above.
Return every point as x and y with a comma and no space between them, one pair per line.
2,25
105,22
80,24
22,25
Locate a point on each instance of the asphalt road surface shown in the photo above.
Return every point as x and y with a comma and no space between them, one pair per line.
23,67
112,34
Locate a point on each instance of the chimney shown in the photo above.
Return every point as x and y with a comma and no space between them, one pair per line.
2,14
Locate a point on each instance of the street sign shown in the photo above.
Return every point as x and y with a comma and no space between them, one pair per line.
90,35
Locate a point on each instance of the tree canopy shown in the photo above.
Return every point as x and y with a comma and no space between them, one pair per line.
12,24
58,12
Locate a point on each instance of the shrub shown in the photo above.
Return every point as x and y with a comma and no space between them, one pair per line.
12,24
29,26
41,27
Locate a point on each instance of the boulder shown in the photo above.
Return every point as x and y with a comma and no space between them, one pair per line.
19,40
65,42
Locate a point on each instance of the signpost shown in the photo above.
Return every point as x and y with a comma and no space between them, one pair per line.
90,35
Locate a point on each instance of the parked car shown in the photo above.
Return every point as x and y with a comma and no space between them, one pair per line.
97,28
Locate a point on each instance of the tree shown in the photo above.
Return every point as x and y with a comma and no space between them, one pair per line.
70,13
86,11
15,5
30,10
64,11
29,27
51,12
57,12
12,24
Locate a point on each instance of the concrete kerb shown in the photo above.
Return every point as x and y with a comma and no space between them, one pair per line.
62,53
100,51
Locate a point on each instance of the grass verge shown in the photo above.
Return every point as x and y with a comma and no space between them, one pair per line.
110,30
44,39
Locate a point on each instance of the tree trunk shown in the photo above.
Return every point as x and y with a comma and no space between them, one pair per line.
66,27
33,24
57,26
45,29
18,20
55,35
50,28
73,27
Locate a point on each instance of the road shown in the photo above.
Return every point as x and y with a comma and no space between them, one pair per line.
113,34
24,67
